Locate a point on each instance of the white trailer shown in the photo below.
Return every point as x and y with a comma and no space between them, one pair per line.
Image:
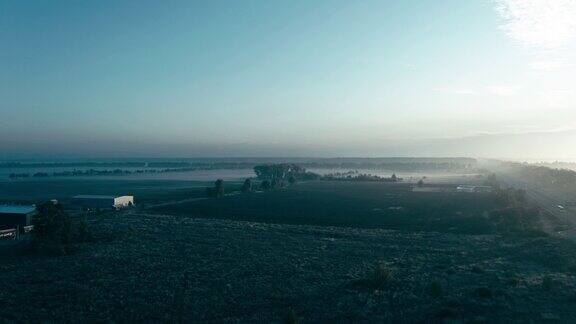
103,202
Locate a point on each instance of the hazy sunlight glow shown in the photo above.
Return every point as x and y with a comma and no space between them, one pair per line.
539,23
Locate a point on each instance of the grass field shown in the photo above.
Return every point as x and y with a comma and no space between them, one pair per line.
173,269
355,204
144,191
143,265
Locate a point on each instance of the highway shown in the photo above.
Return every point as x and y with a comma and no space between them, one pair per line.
560,220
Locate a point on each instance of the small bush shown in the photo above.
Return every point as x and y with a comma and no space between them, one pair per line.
291,317
521,220
382,274
436,289
477,269
446,313
515,281
547,283
82,232
483,292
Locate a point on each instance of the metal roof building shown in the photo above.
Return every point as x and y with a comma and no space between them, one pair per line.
16,216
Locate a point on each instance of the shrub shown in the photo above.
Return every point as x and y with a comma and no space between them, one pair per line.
436,289
515,280
517,220
291,317
447,313
382,274
483,292
82,232
547,283
217,190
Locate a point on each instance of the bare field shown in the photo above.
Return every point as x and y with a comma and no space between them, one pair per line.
172,268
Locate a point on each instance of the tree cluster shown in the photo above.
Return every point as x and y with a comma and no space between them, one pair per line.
280,174
55,232
361,177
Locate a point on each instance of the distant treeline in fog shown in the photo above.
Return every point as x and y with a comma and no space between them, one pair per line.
400,164
543,175
558,165
93,172
70,164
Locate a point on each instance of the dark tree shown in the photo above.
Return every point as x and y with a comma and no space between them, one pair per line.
265,185
279,174
420,183
394,178
278,171
277,183
217,190
219,187
52,229
247,186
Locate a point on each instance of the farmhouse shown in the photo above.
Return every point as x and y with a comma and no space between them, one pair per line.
103,202
16,216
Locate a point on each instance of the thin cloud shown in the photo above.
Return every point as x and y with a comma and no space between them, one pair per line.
558,98
545,24
550,65
457,90
502,90
495,90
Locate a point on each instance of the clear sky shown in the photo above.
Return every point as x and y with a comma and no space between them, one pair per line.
305,78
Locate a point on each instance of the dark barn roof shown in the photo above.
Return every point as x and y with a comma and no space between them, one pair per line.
15,209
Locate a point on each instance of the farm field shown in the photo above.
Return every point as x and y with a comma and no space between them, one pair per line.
354,204
144,191
309,252
159,268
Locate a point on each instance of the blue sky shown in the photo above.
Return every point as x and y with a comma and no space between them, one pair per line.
189,78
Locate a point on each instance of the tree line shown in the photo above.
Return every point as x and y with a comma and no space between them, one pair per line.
270,176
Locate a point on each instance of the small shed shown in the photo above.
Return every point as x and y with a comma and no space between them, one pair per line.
102,201
16,216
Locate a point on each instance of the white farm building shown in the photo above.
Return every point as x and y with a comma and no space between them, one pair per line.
103,202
